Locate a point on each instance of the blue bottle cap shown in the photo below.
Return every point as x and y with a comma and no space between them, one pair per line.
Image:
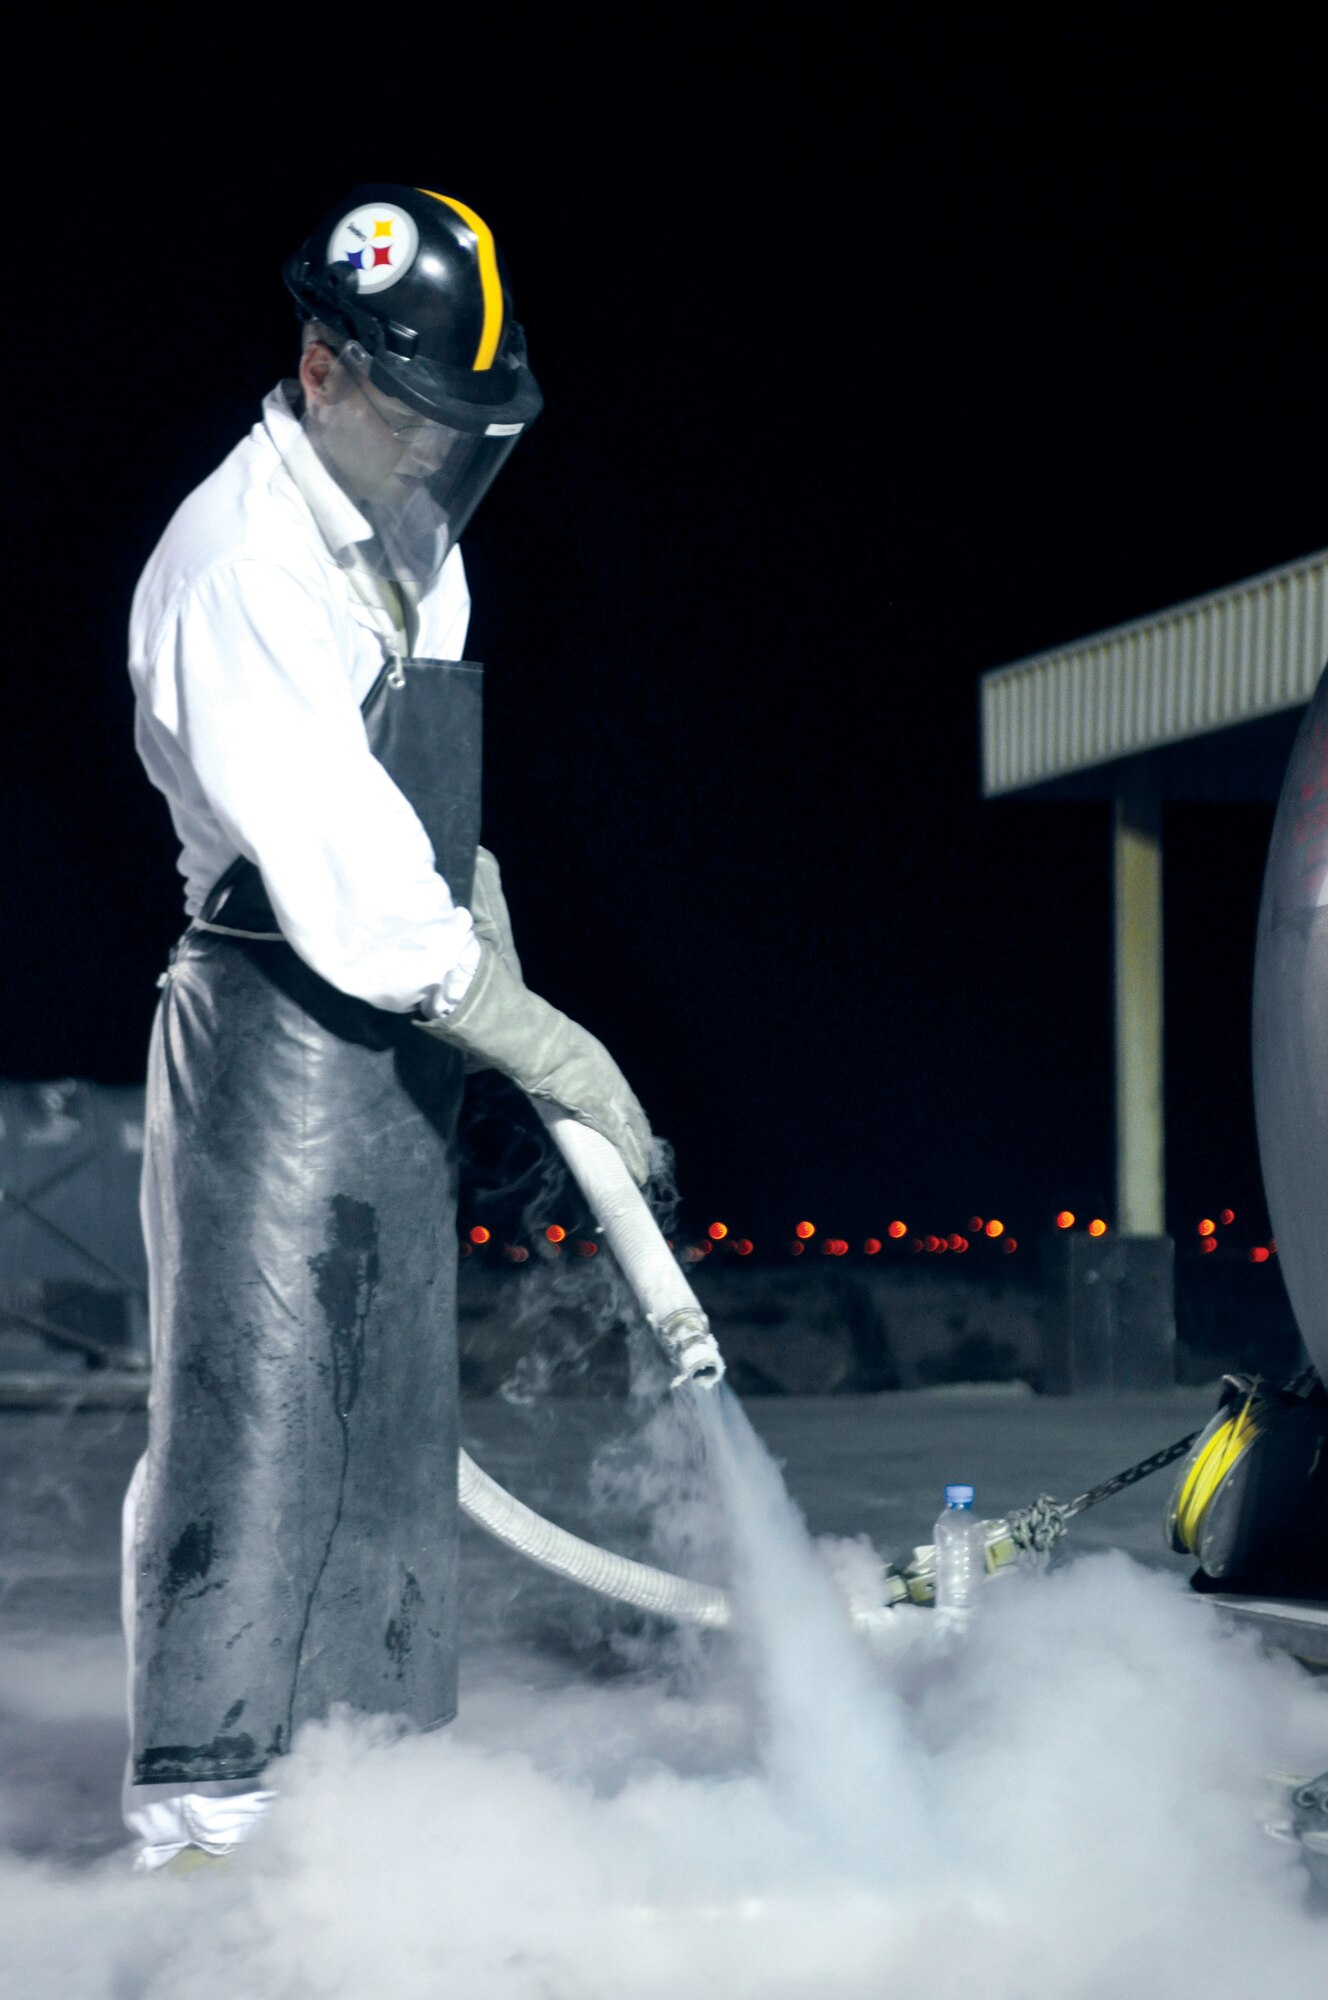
959,1496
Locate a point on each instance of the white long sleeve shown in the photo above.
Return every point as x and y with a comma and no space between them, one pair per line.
250,654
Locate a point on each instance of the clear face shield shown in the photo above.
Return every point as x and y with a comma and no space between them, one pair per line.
414,481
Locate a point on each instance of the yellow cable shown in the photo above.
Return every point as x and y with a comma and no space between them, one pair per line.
1224,1449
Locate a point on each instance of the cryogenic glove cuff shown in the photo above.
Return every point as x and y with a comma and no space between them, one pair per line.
444,998
500,1024
488,909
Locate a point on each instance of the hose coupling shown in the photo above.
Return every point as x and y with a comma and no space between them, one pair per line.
692,1348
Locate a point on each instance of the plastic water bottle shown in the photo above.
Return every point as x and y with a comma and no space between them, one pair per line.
961,1560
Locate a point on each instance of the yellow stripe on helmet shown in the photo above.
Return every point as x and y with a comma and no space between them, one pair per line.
490,283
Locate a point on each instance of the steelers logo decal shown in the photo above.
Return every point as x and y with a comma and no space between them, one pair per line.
378,243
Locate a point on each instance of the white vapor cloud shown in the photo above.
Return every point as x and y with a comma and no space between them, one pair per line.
1066,1809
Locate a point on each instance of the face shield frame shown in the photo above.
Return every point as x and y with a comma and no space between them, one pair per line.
477,399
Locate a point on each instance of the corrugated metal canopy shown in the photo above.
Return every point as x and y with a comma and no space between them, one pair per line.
1231,657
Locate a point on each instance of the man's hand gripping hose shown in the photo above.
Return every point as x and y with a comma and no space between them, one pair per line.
592,1117
500,1024
601,1132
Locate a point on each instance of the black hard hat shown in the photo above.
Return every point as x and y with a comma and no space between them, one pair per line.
415,277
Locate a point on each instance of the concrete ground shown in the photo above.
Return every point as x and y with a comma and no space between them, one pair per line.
873,1465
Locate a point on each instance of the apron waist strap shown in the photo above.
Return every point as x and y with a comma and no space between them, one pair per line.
237,904
231,930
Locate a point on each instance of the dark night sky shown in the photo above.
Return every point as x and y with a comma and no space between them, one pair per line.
877,351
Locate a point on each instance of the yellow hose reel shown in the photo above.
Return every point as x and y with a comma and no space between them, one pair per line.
1219,1449
1240,1497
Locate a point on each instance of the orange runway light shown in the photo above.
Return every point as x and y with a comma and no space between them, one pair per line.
897,1229
717,1231
1207,1227
1226,1217
479,1234
556,1233
1258,1254
1065,1220
805,1229
993,1229
1097,1227
872,1246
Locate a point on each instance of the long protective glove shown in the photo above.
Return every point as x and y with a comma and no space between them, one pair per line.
488,909
493,924
500,1024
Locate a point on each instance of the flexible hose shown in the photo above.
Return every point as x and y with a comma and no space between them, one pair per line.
675,1314
491,1507
670,1305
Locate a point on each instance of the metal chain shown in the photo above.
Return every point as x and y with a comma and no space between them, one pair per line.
1131,1476
1040,1526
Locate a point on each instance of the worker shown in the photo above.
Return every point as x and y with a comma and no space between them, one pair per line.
303,703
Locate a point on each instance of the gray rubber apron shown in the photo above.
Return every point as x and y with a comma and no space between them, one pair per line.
298,1530
1291,1029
